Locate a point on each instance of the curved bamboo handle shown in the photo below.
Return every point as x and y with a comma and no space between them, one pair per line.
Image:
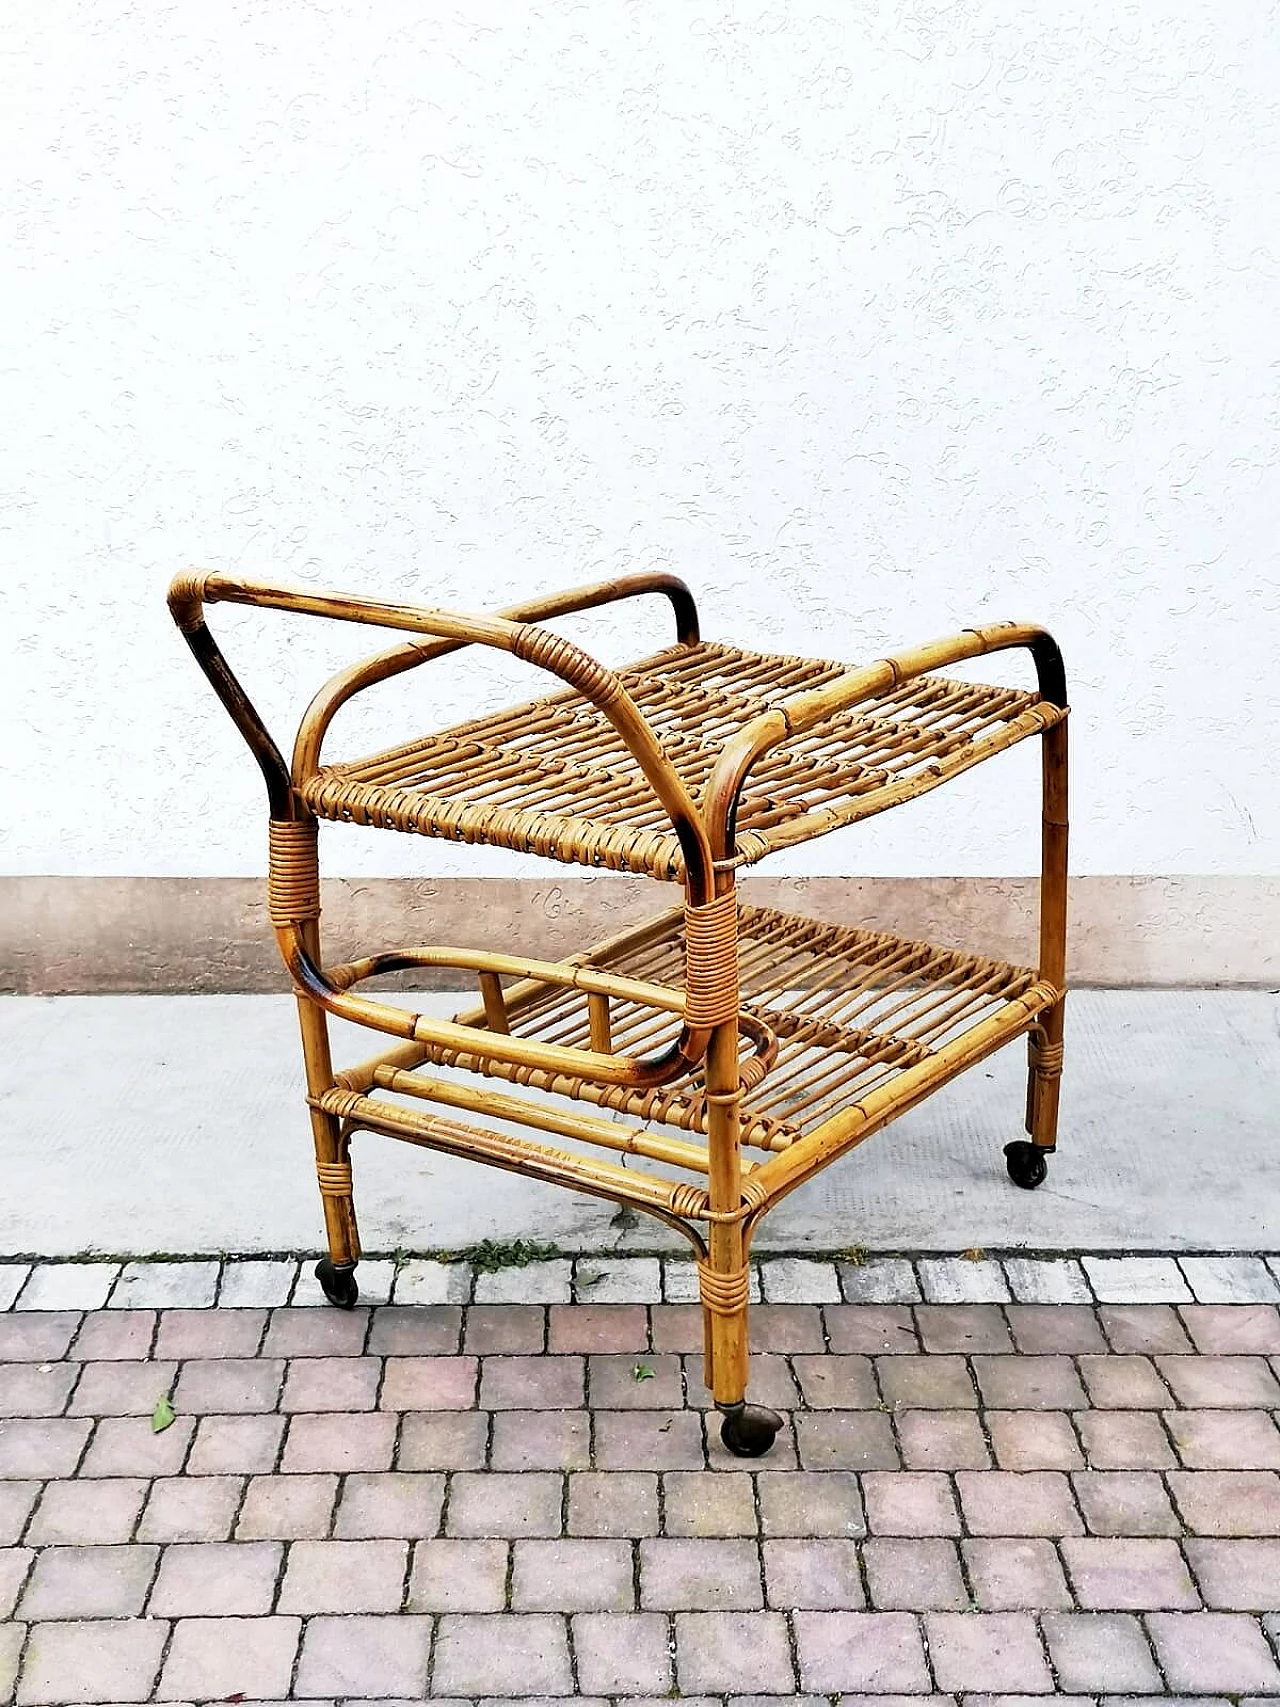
709,992
191,591
384,665
797,715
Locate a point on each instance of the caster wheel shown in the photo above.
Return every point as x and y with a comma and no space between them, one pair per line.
748,1430
1026,1164
338,1284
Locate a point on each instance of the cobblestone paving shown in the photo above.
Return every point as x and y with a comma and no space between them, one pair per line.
970,1499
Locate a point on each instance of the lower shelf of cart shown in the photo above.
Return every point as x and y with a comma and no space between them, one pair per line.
858,1015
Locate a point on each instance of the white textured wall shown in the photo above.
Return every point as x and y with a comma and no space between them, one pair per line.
869,319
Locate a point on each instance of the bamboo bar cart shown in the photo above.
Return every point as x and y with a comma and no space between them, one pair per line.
744,1048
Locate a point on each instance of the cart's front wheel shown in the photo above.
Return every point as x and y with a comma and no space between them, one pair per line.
748,1430
1026,1163
338,1284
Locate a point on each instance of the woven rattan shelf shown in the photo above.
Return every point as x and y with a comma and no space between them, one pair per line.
743,1048
852,1013
554,777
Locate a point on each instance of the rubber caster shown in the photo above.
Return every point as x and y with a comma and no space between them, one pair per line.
748,1430
338,1284
1026,1163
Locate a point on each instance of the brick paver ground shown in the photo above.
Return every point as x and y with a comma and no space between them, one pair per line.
980,1501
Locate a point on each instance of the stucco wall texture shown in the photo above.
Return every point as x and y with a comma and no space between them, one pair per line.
872,320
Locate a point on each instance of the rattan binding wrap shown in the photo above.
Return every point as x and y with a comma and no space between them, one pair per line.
561,657
754,1194
293,878
186,599
335,1178
711,961
688,1200
723,1294
1046,1058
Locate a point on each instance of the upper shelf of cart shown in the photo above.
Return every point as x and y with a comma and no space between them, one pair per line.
738,752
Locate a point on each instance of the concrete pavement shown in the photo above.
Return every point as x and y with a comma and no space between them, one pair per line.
144,1124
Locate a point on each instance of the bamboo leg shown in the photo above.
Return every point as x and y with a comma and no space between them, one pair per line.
294,900
1044,1046
723,1279
333,1160
747,1430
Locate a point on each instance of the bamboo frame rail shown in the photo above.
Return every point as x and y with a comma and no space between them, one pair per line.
739,1049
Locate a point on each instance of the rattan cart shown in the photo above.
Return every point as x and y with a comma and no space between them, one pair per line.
745,1048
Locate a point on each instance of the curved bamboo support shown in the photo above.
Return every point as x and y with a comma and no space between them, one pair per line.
805,711
191,591
709,997
595,984
360,1075
585,978
638,1072
384,665
311,982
